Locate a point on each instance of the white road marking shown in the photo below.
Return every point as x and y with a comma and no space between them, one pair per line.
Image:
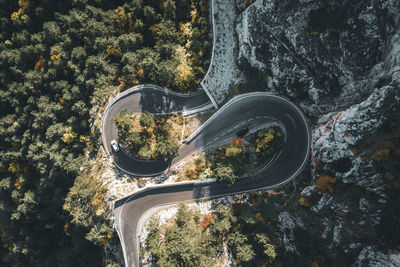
290,117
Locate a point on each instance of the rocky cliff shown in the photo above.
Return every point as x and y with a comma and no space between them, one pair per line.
339,61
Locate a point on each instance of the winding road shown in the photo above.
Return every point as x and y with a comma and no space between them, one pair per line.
244,111
252,110
153,99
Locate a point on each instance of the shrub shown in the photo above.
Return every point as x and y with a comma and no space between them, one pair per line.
224,173
232,151
325,183
304,201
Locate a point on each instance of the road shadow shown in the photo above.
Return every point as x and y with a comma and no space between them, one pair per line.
155,101
166,189
138,167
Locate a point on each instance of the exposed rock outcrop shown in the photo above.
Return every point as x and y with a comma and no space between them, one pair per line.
323,53
286,225
340,61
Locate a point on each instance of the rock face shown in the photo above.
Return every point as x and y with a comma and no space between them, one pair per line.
323,53
339,61
286,226
370,257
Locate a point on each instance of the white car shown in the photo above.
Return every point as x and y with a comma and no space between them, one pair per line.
114,145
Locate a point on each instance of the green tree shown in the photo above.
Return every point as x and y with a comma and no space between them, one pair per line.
147,120
239,244
60,62
232,151
185,243
224,173
166,149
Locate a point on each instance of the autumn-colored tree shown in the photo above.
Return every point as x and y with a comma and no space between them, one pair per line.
237,142
206,220
326,183
40,62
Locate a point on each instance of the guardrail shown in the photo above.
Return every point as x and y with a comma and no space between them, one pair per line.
228,104
212,57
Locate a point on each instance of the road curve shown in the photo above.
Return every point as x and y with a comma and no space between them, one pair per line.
153,99
247,110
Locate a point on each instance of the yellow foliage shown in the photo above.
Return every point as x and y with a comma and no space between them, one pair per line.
17,184
314,33
112,50
84,138
248,2
96,202
149,130
193,15
186,28
325,183
140,73
104,242
124,22
233,151
163,5
100,212
268,137
69,135
304,201
184,71
153,29
270,252
264,141
24,4
16,168
14,16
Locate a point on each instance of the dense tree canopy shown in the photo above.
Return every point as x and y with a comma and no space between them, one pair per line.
192,239
242,157
59,60
147,136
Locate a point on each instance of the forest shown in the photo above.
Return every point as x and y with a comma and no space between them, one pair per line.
192,239
60,63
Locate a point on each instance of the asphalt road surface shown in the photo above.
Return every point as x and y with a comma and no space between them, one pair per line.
244,111
140,99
